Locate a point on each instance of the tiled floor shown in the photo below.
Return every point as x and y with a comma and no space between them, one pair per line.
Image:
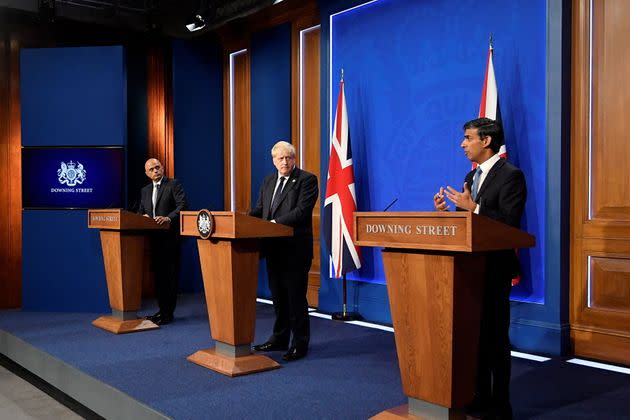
19,400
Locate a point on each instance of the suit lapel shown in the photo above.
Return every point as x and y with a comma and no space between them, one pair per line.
289,185
493,173
161,190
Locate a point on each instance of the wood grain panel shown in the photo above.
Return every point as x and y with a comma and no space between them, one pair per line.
611,102
122,258
436,309
600,303
236,36
229,274
238,127
160,132
160,107
610,284
306,128
10,173
602,274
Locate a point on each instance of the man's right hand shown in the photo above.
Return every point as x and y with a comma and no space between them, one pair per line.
439,201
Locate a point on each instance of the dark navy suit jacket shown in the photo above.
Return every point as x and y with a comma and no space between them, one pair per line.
171,199
294,208
502,197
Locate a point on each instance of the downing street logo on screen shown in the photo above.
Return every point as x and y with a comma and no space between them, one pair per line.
71,173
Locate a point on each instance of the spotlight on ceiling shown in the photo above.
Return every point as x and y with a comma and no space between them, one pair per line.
198,22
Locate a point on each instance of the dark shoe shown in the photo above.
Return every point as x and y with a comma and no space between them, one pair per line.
153,317
163,319
269,346
294,353
499,413
478,407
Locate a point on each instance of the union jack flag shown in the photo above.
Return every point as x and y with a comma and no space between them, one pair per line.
489,108
341,199
489,105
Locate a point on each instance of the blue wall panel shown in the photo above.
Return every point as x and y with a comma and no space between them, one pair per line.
70,97
270,107
198,114
73,96
62,263
413,75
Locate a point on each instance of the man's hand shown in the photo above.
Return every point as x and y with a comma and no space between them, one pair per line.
160,220
439,202
463,200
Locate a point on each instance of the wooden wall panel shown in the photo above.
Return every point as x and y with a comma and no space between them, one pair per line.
610,285
237,129
160,107
600,192
306,127
611,103
10,173
302,14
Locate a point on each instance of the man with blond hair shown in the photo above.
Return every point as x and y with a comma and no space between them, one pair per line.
288,197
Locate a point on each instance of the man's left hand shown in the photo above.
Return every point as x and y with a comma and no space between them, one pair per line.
162,219
463,200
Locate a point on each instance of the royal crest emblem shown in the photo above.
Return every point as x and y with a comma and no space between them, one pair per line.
205,223
71,173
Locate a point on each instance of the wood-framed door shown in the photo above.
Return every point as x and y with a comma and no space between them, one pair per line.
600,180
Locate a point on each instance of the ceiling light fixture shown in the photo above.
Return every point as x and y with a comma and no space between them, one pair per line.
198,22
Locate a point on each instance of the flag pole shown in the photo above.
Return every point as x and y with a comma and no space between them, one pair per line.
344,315
349,205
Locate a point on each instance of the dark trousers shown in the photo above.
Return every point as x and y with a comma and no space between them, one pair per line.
494,363
165,250
288,281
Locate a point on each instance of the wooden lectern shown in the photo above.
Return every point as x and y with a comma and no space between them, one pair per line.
435,268
122,241
229,266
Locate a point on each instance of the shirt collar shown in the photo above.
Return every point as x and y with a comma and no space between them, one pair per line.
286,176
488,164
159,182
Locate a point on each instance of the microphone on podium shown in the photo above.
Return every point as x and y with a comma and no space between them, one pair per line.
390,204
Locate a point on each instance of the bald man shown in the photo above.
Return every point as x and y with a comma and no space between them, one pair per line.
162,200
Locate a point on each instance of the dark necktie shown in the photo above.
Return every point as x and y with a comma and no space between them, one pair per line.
276,194
156,189
475,186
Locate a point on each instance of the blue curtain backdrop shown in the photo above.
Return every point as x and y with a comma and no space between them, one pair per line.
413,75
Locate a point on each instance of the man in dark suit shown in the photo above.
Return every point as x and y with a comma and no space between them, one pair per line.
288,197
162,200
495,189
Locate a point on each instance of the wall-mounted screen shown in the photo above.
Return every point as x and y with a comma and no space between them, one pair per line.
72,177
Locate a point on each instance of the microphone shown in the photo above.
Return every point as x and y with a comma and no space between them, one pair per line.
390,204
134,206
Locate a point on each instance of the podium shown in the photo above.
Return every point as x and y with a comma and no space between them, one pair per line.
229,266
434,264
122,241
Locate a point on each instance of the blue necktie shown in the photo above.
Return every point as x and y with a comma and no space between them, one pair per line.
475,184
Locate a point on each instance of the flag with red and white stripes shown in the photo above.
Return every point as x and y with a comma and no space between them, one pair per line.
340,200
489,108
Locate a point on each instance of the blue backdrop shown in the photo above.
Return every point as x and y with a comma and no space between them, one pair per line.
198,115
69,97
413,75
270,109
